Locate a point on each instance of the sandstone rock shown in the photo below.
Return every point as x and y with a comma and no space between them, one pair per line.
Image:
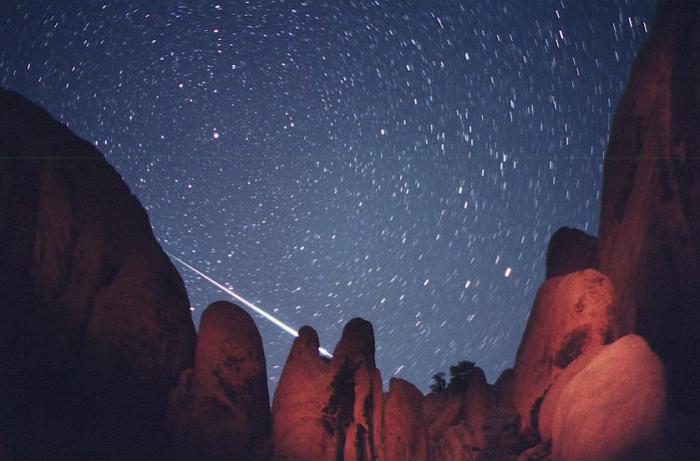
650,220
442,411
570,250
504,389
105,326
357,341
570,315
301,395
614,408
551,398
540,452
450,446
354,404
460,424
328,410
652,193
404,435
220,410
478,401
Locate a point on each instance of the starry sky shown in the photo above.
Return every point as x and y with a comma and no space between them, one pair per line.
400,161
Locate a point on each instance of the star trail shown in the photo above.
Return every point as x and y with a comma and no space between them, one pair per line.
404,162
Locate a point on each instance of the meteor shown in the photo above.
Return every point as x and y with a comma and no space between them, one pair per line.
246,303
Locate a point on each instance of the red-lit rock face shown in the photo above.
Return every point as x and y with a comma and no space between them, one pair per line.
545,416
571,314
614,408
327,409
403,430
298,401
220,409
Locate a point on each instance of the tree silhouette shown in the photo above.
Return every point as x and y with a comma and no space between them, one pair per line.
459,374
439,383
458,378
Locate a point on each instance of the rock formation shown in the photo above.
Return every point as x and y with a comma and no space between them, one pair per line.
298,403
95,322
403,431
650,211
614,408
570,250
571,314
339,400
220,408
98,350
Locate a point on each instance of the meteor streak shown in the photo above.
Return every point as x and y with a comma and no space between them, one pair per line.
245,302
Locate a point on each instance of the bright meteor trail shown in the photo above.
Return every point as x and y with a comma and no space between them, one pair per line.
245,302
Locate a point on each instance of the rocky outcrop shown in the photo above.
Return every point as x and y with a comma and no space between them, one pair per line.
298,402
614,408
220,408
571,314
650,212
570,250
335,409
472,423
545,416
95,323
403,431
329,410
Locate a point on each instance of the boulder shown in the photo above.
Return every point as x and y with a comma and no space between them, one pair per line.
551,398
220,409
105,326
571,314
570,250
614,408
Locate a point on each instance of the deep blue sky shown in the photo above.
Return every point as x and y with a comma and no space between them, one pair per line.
401,161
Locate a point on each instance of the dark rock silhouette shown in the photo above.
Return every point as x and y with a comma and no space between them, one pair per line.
650,212
220,408
571,250
95,319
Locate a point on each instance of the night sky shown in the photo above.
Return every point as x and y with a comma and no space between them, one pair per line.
401,161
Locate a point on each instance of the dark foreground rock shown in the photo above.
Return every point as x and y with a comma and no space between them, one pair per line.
95,322
650,213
